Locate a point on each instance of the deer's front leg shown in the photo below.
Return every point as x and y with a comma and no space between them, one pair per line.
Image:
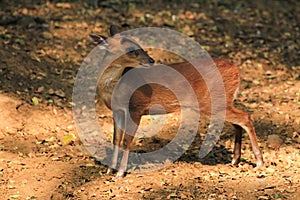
131,127
123,166
119,119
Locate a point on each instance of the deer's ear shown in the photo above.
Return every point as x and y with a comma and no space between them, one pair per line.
99,39
113,30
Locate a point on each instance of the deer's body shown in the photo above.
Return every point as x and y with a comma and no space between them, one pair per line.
142,100
165,97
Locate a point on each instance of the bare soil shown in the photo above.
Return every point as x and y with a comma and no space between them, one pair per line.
43,44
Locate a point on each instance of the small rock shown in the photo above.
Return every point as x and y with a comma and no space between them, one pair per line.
260,175
296,134
69,189
268,73
263,197
274,142
70,127
50,91
47,35
256,82
64,5
54,111
270,170
60,93
40,89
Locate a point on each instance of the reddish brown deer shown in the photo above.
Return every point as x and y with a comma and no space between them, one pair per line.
142,99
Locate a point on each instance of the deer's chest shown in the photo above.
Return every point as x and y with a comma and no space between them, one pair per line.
107,87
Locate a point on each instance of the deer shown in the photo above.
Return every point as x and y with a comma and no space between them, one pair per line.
150,94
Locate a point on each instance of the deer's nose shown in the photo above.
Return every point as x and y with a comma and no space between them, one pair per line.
151,60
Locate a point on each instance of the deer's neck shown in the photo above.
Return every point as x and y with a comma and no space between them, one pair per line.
109,80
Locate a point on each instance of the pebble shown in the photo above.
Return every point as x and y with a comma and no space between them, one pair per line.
47,35
274,142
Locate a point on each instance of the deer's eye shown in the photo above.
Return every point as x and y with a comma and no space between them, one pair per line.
136,53
133,52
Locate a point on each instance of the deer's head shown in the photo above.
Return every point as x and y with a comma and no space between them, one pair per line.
134,54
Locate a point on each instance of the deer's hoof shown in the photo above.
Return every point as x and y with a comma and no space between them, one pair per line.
235,161
260,163
109,171
120,174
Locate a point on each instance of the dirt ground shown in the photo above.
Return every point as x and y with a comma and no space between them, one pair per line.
43,44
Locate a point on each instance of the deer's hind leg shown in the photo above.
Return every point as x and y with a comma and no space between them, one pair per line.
237,145
242,120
